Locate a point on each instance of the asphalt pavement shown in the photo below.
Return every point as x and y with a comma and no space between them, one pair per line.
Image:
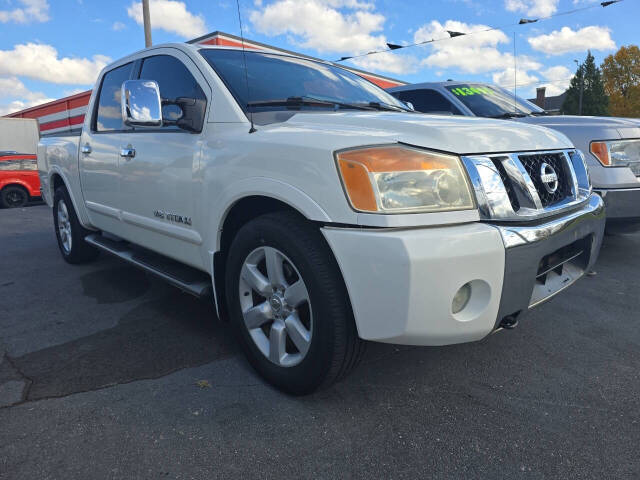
106,372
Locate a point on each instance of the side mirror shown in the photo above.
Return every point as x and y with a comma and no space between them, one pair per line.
193,110
410,105
141,104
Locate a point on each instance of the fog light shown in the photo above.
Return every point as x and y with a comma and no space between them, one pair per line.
461,298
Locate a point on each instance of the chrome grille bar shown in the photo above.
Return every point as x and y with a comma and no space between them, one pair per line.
506,191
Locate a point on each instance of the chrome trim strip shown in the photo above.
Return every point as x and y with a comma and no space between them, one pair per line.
514,236
525,189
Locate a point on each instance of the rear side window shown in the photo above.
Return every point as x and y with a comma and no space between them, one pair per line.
174,80
109,114
428,101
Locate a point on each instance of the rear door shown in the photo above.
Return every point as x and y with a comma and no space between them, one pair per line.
158,185
99,152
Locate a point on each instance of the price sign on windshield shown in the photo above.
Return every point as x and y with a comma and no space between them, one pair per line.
468,91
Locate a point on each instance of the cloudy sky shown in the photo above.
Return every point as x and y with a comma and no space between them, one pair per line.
50,49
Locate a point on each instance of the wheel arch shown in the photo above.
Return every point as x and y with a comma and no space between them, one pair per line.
251,199
57,178
15,183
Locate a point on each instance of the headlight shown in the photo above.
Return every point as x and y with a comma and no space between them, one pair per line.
396,179
618,153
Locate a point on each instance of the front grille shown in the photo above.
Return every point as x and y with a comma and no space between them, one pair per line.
513,198
533,163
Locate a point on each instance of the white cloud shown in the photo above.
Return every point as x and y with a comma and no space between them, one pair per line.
14,96
41,61
171,16
567,40
506,78
347,27
387,62
477,53
534,8
31,11
559,78
321,26
117,26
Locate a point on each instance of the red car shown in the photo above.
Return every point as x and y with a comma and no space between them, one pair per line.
19,180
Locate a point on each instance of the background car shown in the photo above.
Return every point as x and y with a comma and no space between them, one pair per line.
19,180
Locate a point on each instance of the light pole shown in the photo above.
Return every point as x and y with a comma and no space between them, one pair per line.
581,86
147,23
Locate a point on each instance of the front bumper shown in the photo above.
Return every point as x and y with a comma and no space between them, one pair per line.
401,282
622,204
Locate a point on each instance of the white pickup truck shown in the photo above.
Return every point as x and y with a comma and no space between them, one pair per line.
316,208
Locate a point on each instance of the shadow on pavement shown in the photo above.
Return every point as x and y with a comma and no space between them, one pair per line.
157,337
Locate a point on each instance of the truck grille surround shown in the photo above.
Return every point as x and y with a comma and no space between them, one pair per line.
524,186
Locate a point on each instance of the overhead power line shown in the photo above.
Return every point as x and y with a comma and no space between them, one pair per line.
453,34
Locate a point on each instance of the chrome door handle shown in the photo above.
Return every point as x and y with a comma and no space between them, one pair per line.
86,149
128,152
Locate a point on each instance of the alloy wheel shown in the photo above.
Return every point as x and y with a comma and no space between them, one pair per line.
64,226
276,307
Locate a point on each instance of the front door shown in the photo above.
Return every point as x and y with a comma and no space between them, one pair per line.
158,168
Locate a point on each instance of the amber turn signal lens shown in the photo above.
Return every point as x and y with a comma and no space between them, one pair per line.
601,151
356,181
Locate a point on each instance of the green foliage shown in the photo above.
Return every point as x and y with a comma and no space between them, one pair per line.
594,98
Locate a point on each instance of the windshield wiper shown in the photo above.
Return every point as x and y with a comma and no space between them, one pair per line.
301,101
389,107
540,114
509,115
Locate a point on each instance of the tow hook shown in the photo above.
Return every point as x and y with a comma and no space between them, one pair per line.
509,322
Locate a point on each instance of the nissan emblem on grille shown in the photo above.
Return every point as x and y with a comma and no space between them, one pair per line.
549,178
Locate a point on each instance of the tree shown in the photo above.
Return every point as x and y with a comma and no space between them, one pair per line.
621,75
594,98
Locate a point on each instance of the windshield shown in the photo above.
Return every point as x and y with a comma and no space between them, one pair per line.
280,78
492,101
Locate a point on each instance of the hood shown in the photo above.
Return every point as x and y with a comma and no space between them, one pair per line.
455,134
624,127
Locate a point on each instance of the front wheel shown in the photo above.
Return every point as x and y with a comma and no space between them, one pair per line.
289,305
14,196
69,232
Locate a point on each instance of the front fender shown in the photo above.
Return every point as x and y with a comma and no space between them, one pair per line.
259,186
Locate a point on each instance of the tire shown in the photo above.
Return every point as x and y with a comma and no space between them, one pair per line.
69,233
327,347
14,196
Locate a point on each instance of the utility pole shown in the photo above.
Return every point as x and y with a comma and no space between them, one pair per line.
147,23
581,71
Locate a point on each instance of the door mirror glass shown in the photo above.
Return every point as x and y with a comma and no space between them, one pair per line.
141,103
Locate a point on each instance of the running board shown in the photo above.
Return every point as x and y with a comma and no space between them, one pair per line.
187,279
